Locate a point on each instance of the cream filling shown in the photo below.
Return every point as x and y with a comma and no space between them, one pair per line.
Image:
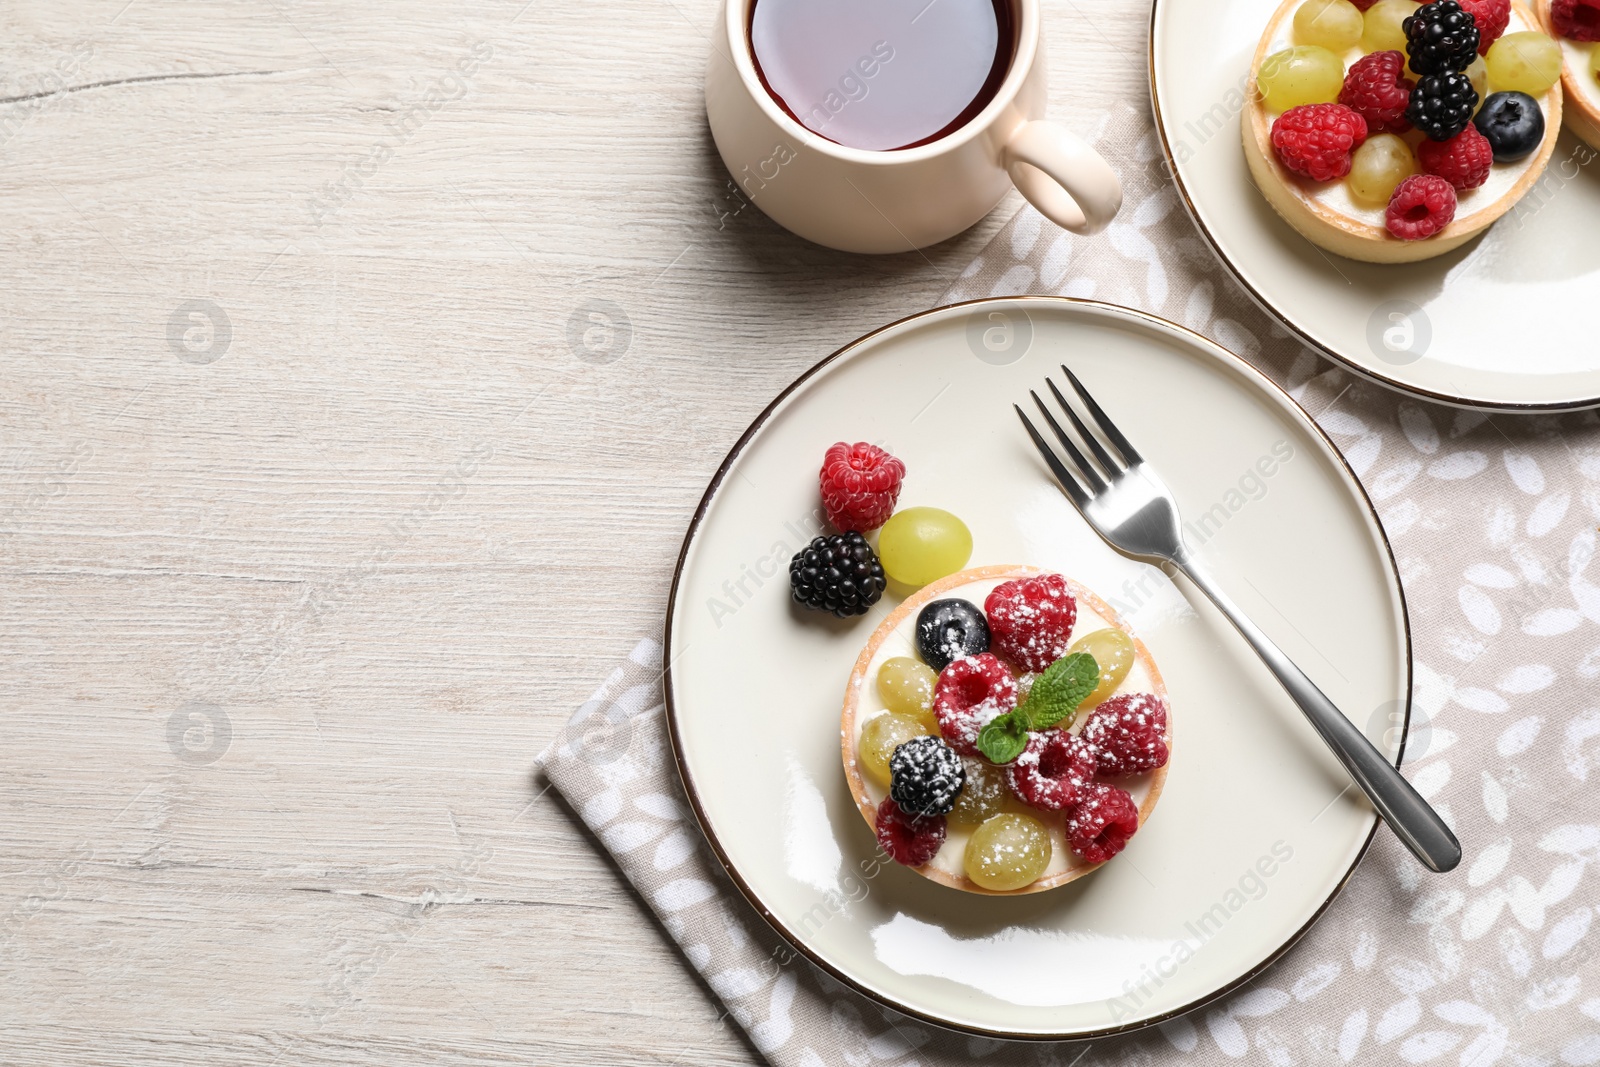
902,641
1336,195
1575,54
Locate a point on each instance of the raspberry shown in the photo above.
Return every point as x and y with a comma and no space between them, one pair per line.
1376,88
1052,770
1463,161
1316,139
1101,824
968,695
1362,5
909,839
860,484
1577,20
1421,206
1128,734
1492,17
1030,620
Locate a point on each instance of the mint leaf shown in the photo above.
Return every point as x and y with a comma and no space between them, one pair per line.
1055,697
1058,691
1004,738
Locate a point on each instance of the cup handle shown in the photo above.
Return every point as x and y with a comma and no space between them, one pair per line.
1072,186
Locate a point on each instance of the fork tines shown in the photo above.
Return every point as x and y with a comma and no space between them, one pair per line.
1094,478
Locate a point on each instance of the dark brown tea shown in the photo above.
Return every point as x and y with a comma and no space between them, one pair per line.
882,74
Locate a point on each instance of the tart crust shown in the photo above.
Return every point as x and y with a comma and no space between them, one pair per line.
1582,109
1354,238
858,678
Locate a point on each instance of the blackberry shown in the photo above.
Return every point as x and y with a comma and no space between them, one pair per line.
1442,104
926,776
1440,36
838,573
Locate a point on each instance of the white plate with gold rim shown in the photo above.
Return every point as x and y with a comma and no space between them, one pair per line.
1496,323
1256,831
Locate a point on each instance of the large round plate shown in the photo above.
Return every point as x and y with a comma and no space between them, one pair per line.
1256,830
1497,323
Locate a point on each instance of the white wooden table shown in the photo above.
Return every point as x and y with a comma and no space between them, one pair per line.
316,528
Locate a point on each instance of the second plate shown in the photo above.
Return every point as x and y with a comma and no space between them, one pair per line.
1503,322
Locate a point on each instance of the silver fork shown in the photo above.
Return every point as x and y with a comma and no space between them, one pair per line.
1127,504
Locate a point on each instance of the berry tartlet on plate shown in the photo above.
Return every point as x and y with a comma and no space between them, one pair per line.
1575,25
1004,732
1390,132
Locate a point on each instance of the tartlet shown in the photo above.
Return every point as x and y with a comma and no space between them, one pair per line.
1581,89
895,637
1327,215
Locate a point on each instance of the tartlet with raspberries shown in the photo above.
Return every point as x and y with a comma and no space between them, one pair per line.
1004,732
1575,27
1392,132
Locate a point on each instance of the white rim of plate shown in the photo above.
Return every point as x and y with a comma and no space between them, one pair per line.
1179,333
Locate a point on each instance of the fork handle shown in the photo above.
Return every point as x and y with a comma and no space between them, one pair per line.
1411,818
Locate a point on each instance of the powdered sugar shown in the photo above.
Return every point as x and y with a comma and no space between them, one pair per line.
1129,734
1031,620
1052,770
1100,826
971,693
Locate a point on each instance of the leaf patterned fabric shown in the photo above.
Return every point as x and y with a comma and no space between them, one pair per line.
1493,521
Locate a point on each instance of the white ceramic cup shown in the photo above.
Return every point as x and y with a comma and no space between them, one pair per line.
895,201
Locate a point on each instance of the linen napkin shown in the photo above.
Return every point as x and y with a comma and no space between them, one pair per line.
1493,521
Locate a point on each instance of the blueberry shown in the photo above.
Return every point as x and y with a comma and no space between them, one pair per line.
1513,124
950,629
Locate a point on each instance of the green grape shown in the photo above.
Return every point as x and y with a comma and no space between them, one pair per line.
1381,30
1008,851
922,545
1304,74
1333,24
984,795
1525,62
1594,62
1113,653
1379,165
906,687
1478,75
880,737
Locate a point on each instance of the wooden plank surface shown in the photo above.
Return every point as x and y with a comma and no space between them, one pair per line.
314,528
